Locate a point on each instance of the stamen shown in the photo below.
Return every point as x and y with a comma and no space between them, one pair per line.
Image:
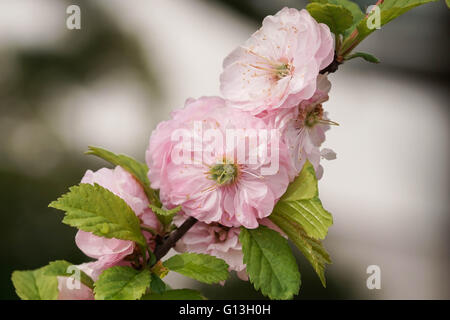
326,121
224,173
252,174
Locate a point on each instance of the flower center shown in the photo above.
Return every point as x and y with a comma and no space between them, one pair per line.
282,70
224,173
312,117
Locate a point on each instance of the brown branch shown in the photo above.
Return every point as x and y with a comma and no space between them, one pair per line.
168,242
333,66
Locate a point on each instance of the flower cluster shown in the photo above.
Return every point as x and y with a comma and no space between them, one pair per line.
227,180
272,104
271,82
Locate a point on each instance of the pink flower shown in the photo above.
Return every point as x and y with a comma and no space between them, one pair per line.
304,128
110,252
278,65
219,241
216,240
217,186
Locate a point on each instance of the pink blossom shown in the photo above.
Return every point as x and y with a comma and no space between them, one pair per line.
216,240
278,65
218,188
304,128
110,252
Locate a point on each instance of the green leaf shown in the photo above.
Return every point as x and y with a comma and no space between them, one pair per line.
448,3
271,265
310,214
301,204
34,285
312,249
178,294
304,186
366,56
95,209
61,268
201,267
163,212
122,283
157,285
351,6
336,17
389,10
138,169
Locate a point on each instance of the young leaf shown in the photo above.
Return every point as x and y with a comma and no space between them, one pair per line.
389,10
177,294
201,267
61,268
304,187
34,285
138,169
95,209
122,283
163,212
336,17
301,204
351,6
271,265
366,56
157,285
312,249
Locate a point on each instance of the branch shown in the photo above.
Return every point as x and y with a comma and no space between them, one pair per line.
333,66
168,242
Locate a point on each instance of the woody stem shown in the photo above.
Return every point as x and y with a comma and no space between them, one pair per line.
168,242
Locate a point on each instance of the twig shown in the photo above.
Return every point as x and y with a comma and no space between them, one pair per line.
167,243
333,66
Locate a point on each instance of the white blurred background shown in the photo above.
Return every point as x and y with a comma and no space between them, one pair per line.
134,61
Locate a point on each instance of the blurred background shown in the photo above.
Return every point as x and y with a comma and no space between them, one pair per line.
134,61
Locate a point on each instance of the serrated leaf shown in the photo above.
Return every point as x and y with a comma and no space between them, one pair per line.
201,267
157,285
138,169
122,283
312,249
301,204
177,294
304,186
61,268
34,285
310,214
95,209
355,10
271,266
336,17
